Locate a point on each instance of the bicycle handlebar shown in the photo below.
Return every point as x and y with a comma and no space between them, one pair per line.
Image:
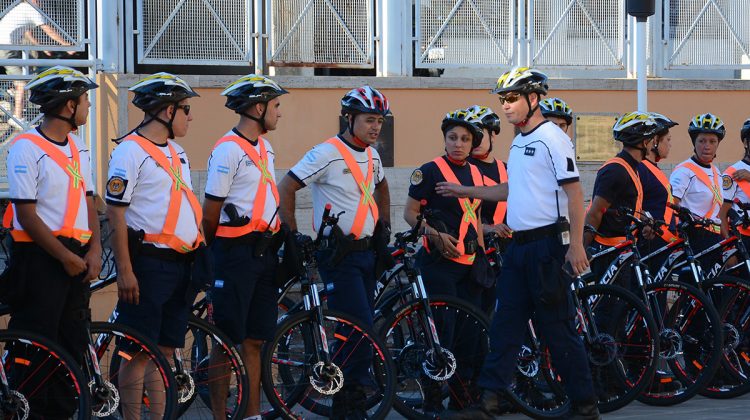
412,235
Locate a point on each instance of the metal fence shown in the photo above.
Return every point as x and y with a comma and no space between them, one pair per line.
321,33
215,32
464,33
35,35
707,34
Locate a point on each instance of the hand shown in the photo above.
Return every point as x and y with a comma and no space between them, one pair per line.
93,260
73,264
127,288
724,229
445,244
741,175
502,230
447,189
576,255
648,233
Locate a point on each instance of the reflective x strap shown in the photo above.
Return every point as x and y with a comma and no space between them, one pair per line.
177,174
367,198
470,208
74,170
265,174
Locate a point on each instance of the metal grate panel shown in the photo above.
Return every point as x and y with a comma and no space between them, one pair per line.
461,33
60,19
323,33
195,32
705,33
12,122
577,33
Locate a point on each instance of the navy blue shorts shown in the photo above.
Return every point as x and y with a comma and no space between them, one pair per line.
244,294
165,301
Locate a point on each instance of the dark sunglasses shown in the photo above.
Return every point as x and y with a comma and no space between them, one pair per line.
184,108
509,98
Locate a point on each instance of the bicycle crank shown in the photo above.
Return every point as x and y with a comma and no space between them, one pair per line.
439,367
603,350
326,379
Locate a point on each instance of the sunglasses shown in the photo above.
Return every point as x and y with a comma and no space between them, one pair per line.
509,98
184,108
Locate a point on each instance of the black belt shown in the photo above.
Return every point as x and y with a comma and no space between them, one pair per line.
247,239
166,254
364,244
531,235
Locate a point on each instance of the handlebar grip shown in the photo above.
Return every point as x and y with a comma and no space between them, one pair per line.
326,212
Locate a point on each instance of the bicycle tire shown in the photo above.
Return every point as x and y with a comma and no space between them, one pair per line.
287,358
114,343
31,362
731,296
690,343
200,339
407,347
630,334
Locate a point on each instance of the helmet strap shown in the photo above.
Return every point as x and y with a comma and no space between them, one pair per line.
154,117
529,114
356,140
70,120
260,120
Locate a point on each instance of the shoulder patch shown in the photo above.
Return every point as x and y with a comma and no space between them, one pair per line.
116,187
726,182
416,177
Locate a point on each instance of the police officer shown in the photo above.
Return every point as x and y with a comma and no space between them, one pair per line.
55,228
346,172
155,219
240,212
544,193
696,183
557,111
618,185
736,185
657,191
454,240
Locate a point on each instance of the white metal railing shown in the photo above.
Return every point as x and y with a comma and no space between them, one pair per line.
707,34
195,32
27,27
330,33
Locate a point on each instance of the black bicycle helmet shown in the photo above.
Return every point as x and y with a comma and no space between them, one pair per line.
465,119
53,87
249,90
634,127
158,91
556,107
745,131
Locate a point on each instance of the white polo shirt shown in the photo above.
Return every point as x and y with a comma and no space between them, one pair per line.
136,181
234,178
325,171
729,187
539,163
694,194
33,177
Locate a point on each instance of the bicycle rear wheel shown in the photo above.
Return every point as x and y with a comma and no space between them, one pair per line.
137,370
205,372
293,374
624,351
43,379
731,297
425,381
690,343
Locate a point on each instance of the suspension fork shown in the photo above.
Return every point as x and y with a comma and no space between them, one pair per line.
427,318
583,312
311,302
651,301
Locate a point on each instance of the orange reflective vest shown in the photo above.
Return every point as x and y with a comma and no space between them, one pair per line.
502,206
668,212
76,187
714,186
366,186
174,170
612,241
257,224
745,187
468,206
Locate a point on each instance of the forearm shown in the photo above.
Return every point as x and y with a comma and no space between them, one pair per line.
288,202
211,214
575,210
119,240
494,193
52,33
40,233
95,243
382,198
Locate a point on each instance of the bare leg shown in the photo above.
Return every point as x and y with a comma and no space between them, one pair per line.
251,358
130,381
218,382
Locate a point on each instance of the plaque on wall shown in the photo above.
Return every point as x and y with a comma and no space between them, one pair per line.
384,145
593,137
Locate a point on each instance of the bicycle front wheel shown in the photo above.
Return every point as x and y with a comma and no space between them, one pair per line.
43,379
426,379
359,379
137,378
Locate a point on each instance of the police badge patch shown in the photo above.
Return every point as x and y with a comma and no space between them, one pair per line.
416,177
727,182
116,187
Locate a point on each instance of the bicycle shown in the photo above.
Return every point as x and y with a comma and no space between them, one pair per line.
306,361
690,330
414,331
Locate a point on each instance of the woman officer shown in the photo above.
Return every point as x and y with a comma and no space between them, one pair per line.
453,239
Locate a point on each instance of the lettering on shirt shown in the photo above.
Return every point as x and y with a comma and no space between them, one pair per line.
530,151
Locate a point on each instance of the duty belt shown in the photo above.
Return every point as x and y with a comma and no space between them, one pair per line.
531,235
